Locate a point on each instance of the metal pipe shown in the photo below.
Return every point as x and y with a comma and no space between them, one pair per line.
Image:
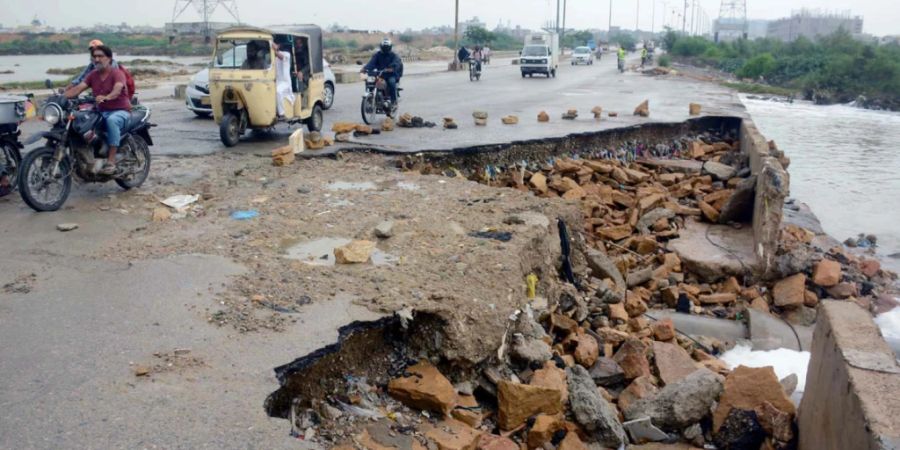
456,38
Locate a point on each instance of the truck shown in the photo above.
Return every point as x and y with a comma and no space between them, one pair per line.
540,54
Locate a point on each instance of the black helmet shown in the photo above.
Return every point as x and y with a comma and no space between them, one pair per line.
386,45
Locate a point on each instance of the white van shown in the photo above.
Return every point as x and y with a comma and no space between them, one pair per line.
540,54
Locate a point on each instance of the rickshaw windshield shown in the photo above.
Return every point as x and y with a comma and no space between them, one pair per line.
233,54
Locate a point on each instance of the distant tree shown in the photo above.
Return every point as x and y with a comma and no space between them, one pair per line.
478,35
406,38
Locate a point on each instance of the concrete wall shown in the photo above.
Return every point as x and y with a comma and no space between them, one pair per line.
772,187
852,396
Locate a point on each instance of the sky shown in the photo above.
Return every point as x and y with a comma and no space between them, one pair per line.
881,17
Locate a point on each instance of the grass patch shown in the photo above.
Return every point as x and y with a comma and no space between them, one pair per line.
31,85
755,88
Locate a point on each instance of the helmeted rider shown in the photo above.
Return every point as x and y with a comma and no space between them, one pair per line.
388,61
478,57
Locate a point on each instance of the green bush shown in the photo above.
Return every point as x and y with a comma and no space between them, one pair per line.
691,46
665,61
625,40
759,66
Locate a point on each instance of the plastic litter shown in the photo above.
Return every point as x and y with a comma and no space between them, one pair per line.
245,215
357,411
181,201
531,280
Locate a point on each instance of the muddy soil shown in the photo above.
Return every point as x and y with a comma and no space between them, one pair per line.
432,263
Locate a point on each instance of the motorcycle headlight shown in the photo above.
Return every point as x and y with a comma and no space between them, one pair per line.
52,113
370,79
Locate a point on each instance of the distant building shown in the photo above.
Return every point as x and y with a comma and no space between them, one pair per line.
812,24
757,28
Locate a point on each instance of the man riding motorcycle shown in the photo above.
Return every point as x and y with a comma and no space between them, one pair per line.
90,67
388,61
111,95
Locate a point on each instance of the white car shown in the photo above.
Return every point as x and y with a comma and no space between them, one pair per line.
582,55
197,93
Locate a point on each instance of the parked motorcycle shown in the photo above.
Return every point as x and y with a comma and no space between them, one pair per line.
76,146
377,99
12,112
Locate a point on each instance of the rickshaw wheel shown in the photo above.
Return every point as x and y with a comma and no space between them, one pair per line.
314,123
230,129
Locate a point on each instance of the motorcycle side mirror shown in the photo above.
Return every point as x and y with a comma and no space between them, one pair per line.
48,83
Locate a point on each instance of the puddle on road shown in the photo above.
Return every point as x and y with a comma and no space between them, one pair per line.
350,186
320,252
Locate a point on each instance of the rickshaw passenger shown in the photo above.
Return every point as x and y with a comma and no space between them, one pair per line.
301,69
283,88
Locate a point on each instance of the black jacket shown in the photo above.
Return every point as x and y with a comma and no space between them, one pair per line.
382,61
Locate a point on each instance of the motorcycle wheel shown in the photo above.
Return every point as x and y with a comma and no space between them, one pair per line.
36,183
230,129
12,159
471,74
136,154
368,109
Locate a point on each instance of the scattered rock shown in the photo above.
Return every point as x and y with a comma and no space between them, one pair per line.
281,156
163,214
387,124
528,350
480,115
571,114
481,122
509,120
663,330
632,357
642,430
607,372
551,376
789,384
385,230
739,206
356,252
827,273
747,388
543,429
603,267
719,171
612,114
586,349
596,416
543,116
67,227
680,404
643,109
425,388
453,435
597,112
673,363
494,442
775,422
740,430
517,402
639,388
141,370
790,292
694,109
343,127
572,442
870,267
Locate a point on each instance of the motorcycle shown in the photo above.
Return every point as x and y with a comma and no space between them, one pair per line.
76,147
10,152
377,99
474,70
621,63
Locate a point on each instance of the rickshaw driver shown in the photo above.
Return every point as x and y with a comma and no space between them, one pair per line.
256,59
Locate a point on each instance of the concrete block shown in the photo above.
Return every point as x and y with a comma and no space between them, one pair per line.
850,400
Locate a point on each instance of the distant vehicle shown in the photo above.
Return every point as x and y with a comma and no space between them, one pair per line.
592,44
197,93
540,54
582,55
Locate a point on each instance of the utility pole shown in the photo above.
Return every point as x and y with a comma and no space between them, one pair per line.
609,29
456,38
637,17
693,14
557,17
652,16
684,18
565,3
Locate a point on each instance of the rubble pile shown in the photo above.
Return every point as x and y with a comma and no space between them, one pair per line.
592,365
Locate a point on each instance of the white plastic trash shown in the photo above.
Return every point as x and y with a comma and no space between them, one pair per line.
180,202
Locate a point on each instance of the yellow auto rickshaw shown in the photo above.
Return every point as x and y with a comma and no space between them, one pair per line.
243,87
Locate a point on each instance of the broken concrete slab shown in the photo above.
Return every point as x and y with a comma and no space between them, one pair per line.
714,252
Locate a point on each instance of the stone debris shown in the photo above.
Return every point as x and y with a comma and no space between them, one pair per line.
410,121
510,120
480,115
583,365
425,388
571,114
643,109
450,124
283,156
356,252
612,114
385,230
543,116
694,109
597,112
387,124
67,227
